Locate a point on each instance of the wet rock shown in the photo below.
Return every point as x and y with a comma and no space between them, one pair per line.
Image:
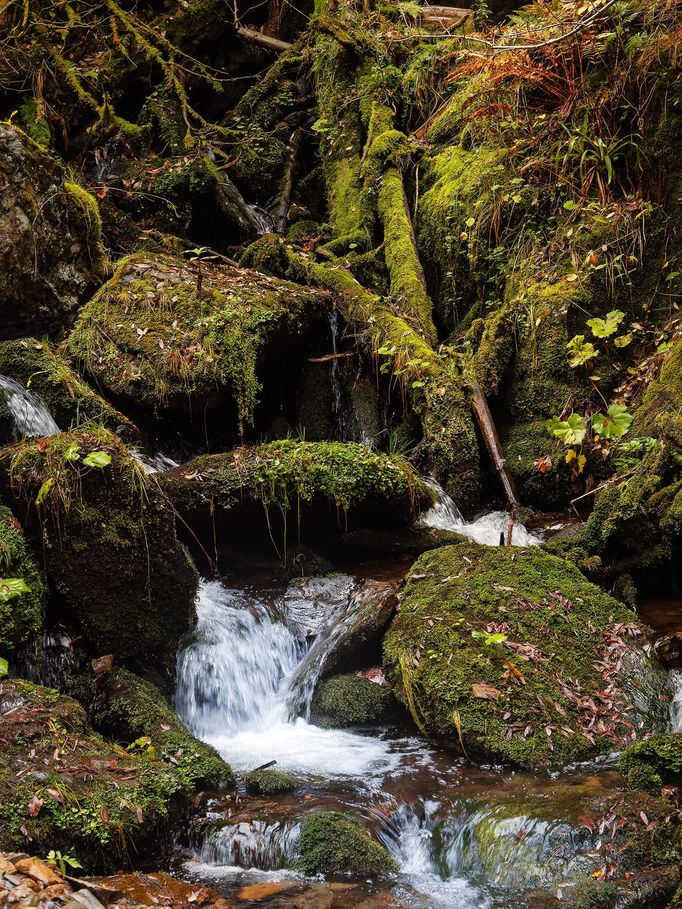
50,239
335,843
267,494
129,709
269,781
110,545
669,649
175,338
512,654
346,700
39,871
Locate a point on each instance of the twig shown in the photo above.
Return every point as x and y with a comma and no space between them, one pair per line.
334,356
265,40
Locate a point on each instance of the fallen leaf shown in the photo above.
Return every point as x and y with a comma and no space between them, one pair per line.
485,691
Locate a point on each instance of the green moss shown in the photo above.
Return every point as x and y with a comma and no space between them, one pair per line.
553,626
653,762
85,213
170,334
129,709
97,802
109,545
269,782
21,617
347,700
662,396
334,843
44,369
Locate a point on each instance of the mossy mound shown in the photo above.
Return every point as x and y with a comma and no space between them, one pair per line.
654,762
348,700
50,239
109,544
662,396
334,842
324,487
63,787
269,781
506,653
42,368
133,712
21,610
180,336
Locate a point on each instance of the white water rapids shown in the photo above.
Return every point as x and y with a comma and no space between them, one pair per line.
29,411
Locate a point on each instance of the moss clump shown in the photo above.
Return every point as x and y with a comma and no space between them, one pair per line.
43,369
109,544
348,700
132,710
176,335
653,762
21,616
334,843
51,239
502,651
65,788
269,782
662,396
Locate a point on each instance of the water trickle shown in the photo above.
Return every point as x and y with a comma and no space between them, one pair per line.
335,378
445,515
29,411
258,844
153,463
676,705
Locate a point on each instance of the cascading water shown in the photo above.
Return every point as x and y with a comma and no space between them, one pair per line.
676,705
444,515
241,689
29,411
153,463
335,377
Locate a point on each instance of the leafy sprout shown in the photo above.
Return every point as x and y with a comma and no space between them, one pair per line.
604,328
571,431
580,351
614,424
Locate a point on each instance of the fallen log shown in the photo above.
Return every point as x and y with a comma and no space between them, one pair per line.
264,40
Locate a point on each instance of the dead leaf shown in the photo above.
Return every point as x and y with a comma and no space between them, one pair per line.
34,806
485,691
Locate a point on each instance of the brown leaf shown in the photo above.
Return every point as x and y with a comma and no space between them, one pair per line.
140,815
104,813
485,691
34,806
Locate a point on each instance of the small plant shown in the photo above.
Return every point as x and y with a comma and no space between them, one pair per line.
571,431
604,328
614,424
631,453
580,351
143,745
62,861
4,667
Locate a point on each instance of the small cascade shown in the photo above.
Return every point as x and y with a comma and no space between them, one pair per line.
676,704
445,515
29,411
240,684
51,662
259,844
153,463
335,377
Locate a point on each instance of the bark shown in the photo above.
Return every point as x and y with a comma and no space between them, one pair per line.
492,442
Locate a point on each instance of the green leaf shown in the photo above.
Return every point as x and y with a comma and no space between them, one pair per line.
97,459
497,638
4,667
44,490
622,340
12,587
603,328
571,431
72,453
580,351
614,424
570,205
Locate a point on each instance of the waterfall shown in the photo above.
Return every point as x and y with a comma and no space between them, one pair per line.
152,463
676,704
241,684
29,411
445,515
267,846
335,377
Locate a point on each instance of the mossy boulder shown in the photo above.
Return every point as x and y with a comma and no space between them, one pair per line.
50,239
44,370
654,762
662,396
133,712
63,787
281,489
508,653
109,544
269,781
349,700
186,337
21,610
334,842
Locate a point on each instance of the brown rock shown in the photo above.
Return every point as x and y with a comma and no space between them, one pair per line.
102,665
57,892
6,867
39,871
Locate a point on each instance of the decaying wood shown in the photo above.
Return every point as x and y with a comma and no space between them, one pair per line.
264,40
288,182
492,442
450,15
335,356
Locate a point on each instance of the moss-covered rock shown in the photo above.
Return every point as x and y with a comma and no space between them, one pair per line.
654,762
269,781
44,370
184,337
63,787
348,700
21,610
334,842
50,239
109,544
133,712
662,396
507,653
307,487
